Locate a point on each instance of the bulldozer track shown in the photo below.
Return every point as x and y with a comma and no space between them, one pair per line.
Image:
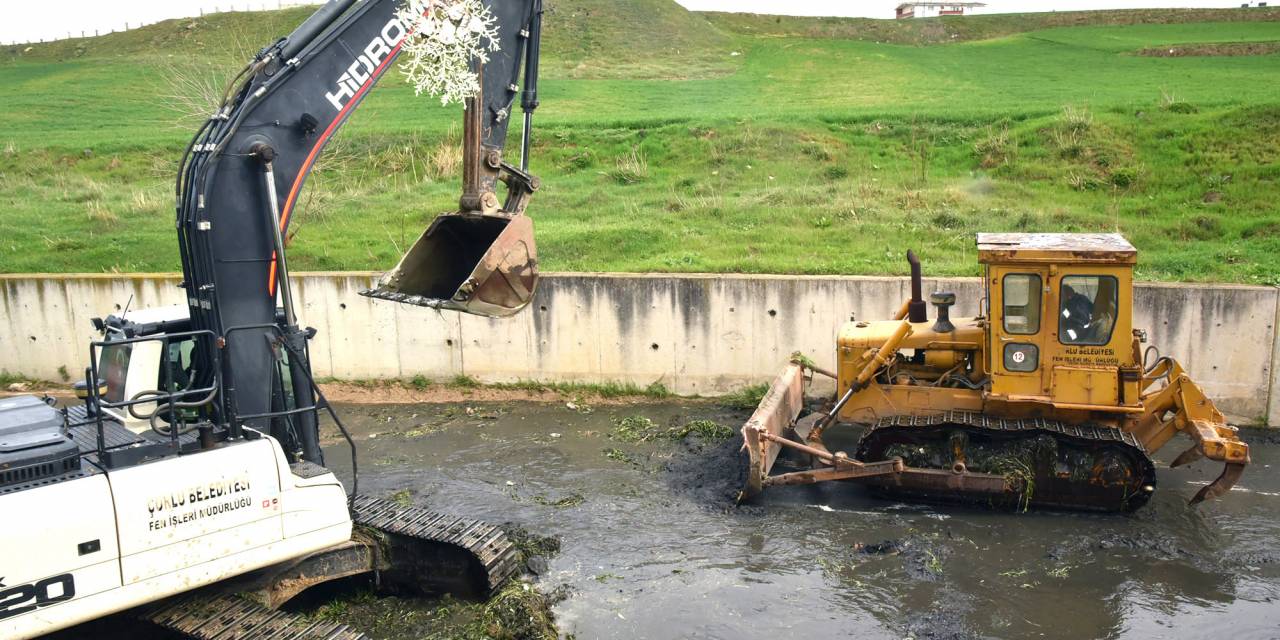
231,617
1051,492
486,544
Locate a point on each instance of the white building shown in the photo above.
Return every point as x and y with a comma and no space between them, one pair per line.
935,9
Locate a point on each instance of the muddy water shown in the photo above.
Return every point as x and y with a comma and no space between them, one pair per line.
651,548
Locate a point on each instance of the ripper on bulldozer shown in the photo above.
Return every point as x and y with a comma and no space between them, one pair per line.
1048,398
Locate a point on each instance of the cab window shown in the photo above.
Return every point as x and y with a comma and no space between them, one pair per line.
1087,310
113,367
179,365
1021,297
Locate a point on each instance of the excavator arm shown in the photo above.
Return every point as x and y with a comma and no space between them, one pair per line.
1182,407
238,190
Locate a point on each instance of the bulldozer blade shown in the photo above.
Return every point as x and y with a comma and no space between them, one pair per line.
775,414
482,264
1230,475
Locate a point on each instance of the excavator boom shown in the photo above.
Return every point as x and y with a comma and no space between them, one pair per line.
240,182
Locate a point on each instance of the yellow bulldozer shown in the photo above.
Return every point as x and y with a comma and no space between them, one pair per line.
1047,399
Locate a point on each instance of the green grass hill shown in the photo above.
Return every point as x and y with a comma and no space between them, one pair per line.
679,141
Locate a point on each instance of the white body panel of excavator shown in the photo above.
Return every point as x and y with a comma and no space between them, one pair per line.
81,549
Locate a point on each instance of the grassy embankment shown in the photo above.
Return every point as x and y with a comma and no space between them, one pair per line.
739,143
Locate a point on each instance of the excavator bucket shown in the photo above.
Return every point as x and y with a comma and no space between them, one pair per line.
482,264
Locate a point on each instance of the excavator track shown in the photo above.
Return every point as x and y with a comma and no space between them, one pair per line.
425,552
1047,463
231,617
439,553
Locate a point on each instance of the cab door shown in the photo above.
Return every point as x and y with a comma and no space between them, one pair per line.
1090,335
1019,295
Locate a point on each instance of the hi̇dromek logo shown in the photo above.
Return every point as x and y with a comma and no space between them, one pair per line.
365,64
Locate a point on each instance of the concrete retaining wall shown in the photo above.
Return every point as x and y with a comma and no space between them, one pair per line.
697,334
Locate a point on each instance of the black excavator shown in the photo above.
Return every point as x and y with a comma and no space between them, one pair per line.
189,487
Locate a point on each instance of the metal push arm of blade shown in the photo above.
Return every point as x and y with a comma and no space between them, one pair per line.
838,460
1191,412
852,471
892,472
781,405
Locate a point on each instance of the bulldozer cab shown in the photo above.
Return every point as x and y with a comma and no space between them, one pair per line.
1061,319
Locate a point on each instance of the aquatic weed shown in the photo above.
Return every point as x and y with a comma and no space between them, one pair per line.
518,612
618,455
708,429
571,500
1018,473
634,429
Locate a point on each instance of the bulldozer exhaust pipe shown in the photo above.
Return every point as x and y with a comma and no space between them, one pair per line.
916,309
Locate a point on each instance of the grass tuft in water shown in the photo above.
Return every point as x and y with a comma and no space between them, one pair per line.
746,398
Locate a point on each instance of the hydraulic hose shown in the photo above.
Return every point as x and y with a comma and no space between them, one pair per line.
154,415
314,26
1155,363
